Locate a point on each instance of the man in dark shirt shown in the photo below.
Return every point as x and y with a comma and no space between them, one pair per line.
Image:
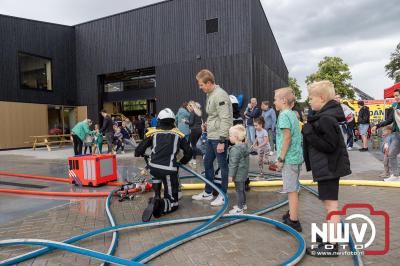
251,113
107,129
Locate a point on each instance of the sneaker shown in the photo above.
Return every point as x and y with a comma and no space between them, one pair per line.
383,175
322,251
219,201
193,161
296,225
349,148
285,216
392,178
363,149
244,207
202,196
236,210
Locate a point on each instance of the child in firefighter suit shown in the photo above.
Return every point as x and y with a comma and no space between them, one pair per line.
165,142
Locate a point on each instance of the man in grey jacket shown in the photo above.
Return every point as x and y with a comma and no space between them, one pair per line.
219,121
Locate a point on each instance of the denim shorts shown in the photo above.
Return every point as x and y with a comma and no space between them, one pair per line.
363,129
290,177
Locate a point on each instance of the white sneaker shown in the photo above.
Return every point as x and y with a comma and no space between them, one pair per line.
236,210
218,201
244,207
202,196
349,148
392,178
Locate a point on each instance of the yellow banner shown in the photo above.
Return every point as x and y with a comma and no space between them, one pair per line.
376,109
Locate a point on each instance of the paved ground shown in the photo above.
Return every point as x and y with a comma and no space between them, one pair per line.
247,243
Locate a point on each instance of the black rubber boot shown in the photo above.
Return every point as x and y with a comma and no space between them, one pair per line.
148,212
158,208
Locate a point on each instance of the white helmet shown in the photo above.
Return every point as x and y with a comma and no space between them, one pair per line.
233,99
166,113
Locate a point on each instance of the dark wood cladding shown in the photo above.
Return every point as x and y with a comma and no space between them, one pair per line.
43,39
170,36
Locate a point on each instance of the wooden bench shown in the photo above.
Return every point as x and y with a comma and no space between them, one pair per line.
47,140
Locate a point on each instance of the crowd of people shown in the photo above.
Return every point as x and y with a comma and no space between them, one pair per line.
319,143
279,135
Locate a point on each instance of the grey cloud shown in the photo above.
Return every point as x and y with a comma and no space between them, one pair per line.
362,32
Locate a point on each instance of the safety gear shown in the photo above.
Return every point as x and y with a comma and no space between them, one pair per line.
166,113
233,99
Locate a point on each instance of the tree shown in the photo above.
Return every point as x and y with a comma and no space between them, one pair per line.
296,88
394,65
336,71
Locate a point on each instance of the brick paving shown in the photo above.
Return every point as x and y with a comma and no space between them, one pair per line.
247,243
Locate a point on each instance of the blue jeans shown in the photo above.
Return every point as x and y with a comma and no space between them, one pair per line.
211,154
251,134
394,150
350,135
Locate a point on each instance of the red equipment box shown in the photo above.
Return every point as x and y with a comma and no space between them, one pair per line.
92,170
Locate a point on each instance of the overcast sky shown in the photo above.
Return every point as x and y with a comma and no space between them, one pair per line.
362,32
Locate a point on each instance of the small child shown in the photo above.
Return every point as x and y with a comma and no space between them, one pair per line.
238,166
98,139
118,140
290,152
261,145
326,156
127,139
88,143
165,142
387,138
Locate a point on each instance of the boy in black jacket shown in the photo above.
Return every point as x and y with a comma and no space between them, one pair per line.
325,154
165,142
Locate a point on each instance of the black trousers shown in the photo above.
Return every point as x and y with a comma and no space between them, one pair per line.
170,202
194,137
109,138
77,144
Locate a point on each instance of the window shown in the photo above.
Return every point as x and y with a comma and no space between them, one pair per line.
134,105
212,25
144,78
35,72
113,87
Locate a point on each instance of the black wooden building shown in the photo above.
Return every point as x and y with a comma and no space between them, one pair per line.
141,60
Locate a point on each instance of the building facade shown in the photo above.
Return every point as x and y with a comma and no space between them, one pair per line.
138,61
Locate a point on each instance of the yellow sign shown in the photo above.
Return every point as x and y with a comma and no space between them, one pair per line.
376,109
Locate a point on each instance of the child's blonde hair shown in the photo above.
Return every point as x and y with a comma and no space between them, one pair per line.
322,88
239,131
287,94
388,128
